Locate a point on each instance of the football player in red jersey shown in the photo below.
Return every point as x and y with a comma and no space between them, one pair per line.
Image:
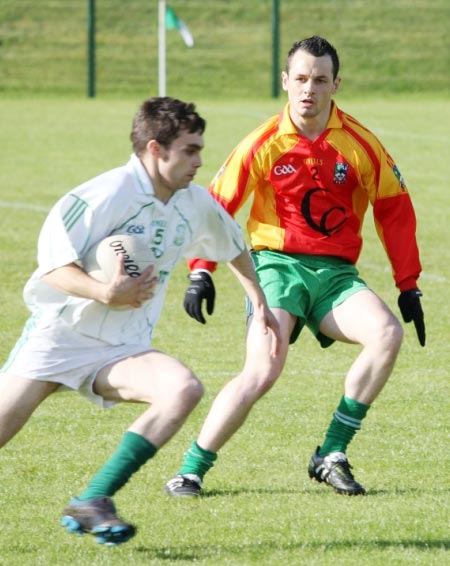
312,171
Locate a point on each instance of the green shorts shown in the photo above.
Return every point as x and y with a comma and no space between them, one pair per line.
306,286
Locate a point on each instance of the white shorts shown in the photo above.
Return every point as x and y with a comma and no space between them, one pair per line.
60,355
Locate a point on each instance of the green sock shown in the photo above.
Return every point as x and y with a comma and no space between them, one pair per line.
131,454
346,421
197,461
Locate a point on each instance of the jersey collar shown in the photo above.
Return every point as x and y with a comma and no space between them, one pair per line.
286,125
139,171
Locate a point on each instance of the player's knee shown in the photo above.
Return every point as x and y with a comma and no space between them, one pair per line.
391,335
264,386
397,334
195,390
257,384
189,389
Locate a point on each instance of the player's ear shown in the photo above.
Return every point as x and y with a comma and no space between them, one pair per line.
336,84
154,148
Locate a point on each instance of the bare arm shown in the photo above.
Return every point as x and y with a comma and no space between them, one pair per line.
122,290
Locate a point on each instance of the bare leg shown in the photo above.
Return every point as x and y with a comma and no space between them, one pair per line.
19,397
362,319
234,402
168,386
365,319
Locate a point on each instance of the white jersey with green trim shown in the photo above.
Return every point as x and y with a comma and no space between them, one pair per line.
122,201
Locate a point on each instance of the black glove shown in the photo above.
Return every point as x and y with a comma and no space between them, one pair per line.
201,287
411,309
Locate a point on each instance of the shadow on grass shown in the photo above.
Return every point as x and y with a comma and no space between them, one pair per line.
315,489
263,549
409,491
247,491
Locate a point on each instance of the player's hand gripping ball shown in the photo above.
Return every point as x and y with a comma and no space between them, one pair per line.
101,260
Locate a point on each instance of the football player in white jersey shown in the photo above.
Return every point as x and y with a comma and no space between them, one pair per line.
95,338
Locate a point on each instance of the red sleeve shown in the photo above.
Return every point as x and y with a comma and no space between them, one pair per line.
196,263
396,226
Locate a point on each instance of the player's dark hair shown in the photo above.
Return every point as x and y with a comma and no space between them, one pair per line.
162,119
317,46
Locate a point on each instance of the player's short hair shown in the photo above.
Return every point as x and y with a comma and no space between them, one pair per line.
161,119
317,46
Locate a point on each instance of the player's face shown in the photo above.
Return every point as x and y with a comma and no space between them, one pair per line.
309,85
179,163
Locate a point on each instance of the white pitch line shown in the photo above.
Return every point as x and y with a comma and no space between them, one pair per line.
38,208
411,135
385,269
23,206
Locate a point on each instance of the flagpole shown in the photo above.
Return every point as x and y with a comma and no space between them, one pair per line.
91,48
162,48
275,48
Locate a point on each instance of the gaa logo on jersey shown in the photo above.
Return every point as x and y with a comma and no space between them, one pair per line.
340,173
135,229
284,169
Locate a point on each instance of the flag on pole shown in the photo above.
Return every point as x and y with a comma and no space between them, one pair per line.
174,22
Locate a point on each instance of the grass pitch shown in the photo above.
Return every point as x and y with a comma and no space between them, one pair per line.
260,506
385,46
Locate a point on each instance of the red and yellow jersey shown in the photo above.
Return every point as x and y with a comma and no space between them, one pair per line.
310,197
